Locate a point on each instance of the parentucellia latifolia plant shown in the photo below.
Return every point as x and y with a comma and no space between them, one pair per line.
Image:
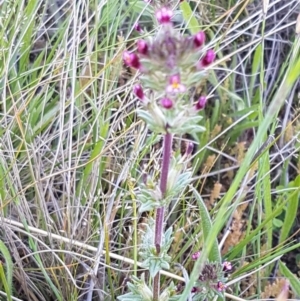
170,64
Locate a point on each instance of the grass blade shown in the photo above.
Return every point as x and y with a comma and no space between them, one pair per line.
294,280
291,210
6,279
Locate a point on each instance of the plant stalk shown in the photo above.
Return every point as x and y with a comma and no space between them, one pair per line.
159,219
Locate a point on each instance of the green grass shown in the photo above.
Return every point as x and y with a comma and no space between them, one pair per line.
72,151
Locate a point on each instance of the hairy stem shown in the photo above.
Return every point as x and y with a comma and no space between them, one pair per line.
159,220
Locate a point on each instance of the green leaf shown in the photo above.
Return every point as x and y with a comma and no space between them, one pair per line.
189,18
109,11
265,195
277,223
141,7
7,278
291,210
30,13
255,66
293,279
5,284
214,254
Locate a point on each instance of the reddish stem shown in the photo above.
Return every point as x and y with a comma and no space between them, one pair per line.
159,221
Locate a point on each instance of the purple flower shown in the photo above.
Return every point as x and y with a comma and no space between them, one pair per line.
137,27
174,85
227,266
201,103
138,91
196,289
189,149
221,287
166,103
208,58
164,15
199,39
196,255
142,47
131,59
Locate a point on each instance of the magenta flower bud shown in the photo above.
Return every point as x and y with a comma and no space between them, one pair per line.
142,47
208,58
221,287
166,103
227,266
199,39
189,149
164,15
201,103
131,59
196,255
137,27
138,91
174,85
195,290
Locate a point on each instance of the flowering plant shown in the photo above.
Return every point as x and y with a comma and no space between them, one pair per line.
169,64
211,279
